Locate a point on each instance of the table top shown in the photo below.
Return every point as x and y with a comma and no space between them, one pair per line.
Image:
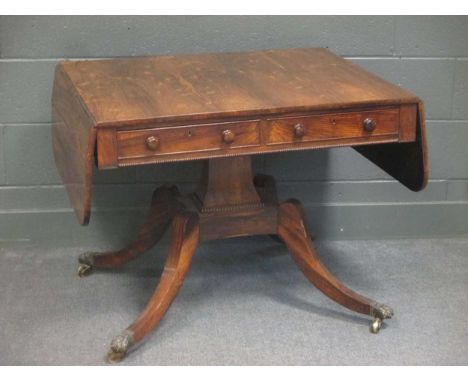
220,85
143,110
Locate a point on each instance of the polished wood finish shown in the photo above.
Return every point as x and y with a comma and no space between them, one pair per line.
256,221
132,91
141,155
407,162
339,126
226,107
132,144
236,138
226,216
164,206
408,116
184,241
230,203
292,229
177,108
73,139
227,184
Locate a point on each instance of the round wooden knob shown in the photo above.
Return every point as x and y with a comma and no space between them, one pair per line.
369,124
299,130
228,136
152,142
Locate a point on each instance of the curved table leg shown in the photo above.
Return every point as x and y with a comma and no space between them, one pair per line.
184,241
164,205
292,229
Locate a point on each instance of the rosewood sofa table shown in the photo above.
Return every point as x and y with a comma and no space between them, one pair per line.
223,108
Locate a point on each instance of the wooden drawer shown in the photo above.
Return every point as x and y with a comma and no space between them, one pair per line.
149,144
337,126
137,144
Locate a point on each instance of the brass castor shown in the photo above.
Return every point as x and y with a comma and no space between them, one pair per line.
84,270
376,325
114,356
380,312
86,261
119,346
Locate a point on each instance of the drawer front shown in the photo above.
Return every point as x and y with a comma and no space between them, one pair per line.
332,126
187,139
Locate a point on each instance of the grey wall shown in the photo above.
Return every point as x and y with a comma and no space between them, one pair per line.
345,196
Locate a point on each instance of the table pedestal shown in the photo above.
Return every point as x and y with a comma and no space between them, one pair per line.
229,202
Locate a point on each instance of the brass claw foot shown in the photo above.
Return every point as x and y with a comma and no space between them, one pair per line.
86,262
119,346
376,324
84,270
379,312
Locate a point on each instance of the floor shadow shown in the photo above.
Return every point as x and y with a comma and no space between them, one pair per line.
282,296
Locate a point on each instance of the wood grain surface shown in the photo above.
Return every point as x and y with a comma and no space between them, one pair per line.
407,162
205,86
73,140
184,240
292,229
149,110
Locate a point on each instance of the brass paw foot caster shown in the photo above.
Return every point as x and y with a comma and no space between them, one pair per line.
379,312
115,357
86,261
375,326
84,270
119,346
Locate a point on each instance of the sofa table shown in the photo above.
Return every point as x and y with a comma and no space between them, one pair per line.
223,108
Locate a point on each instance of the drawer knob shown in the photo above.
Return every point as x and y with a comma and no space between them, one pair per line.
299,130
228,136
152,142
369,124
